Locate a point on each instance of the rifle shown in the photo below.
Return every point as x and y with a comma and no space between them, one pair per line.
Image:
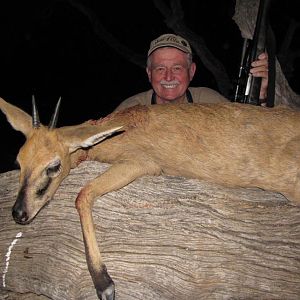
248,87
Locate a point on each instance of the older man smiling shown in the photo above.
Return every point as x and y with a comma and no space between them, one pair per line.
170,69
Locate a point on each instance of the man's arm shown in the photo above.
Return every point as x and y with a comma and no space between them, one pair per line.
143,98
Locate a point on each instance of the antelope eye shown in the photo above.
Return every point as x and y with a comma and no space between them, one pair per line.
53,169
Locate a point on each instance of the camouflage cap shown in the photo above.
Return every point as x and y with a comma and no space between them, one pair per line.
170,40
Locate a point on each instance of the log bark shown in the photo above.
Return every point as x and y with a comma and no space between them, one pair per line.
161,238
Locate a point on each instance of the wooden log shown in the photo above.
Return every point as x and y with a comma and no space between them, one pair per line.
161,238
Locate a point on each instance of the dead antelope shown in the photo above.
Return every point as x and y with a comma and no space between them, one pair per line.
230,144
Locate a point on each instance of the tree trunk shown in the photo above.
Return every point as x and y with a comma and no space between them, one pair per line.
161,238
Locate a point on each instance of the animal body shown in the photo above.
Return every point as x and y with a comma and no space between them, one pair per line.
228,143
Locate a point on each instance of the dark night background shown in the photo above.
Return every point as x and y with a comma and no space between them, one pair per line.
49,49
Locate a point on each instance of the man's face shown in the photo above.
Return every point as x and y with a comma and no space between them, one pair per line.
170,73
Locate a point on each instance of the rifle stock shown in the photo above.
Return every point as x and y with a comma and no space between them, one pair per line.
248,87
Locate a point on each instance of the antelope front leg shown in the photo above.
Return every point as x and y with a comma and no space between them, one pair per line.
114,178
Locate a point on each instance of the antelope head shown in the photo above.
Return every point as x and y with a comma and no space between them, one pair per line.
44,159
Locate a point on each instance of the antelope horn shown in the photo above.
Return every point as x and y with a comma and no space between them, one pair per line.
35,115
54,117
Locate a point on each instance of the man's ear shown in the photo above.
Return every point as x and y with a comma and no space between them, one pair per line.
148,73
192,71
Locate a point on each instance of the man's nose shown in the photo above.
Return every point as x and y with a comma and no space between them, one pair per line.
169,74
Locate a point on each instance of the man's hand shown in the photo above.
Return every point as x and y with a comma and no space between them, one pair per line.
260,69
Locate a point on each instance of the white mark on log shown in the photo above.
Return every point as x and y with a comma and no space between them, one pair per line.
8,253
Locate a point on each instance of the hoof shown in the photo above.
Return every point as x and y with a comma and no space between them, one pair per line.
108,293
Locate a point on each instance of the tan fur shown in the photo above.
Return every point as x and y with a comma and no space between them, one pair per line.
230,144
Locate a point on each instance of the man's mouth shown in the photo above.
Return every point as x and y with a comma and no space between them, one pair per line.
169,86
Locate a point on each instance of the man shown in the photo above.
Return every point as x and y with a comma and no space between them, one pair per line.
170,70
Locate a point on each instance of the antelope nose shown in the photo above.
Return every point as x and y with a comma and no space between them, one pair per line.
20,216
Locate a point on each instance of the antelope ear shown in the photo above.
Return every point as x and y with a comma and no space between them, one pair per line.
92,140
17,118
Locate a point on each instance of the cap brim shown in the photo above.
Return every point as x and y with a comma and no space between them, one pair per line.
170,46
